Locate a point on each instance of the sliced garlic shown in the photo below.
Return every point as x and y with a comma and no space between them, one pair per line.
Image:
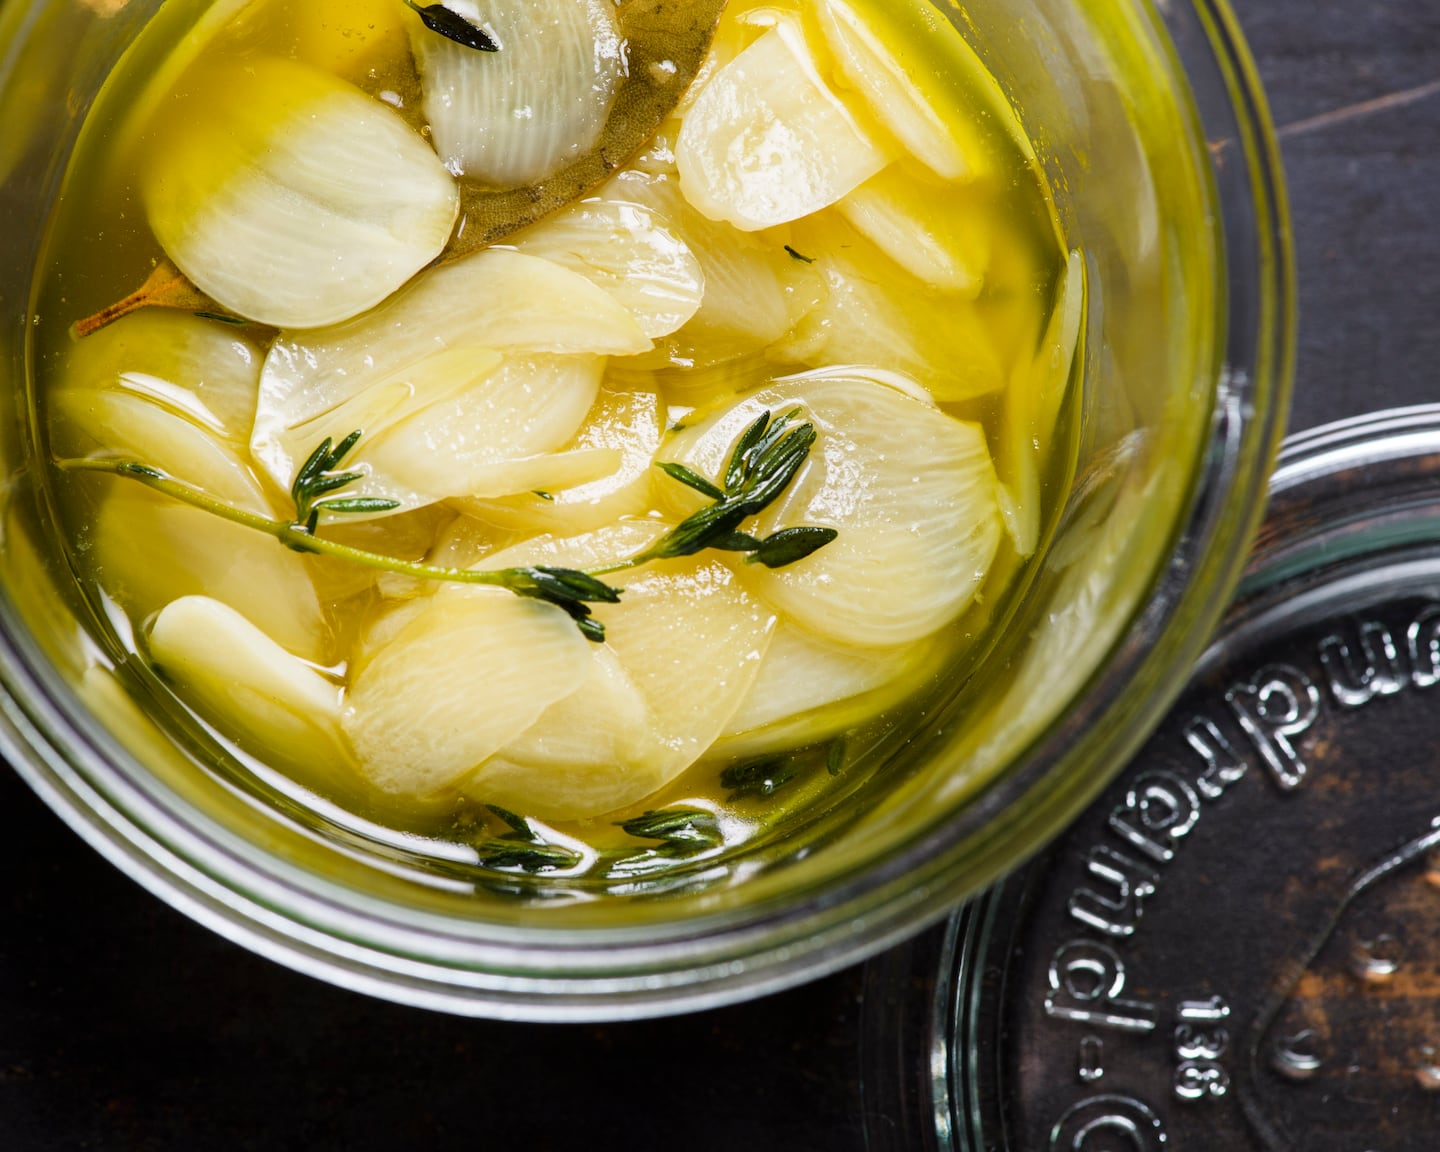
289,196
940,235
674,618
460,679
896,94
630,253
625,425
427,357
809,690
755,290
1032,408
875,313
517,115
138,430
582,757
767,142
910,490
252,688
188,552
200,369
491,438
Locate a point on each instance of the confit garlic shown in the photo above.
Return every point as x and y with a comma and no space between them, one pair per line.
813,237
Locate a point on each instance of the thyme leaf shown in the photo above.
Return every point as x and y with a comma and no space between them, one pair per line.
736,542
766,458
761,777
517,824
450,24
694,828
789,545
693,479
526,857
317,478
522,847
235,321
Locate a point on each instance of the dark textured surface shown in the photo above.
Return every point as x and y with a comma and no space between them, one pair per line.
124,1026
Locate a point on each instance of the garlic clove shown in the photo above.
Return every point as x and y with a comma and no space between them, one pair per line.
289,196
515,116
625,249
258,693
941,235
767,142
895,94
623,423
459,680
188,552
201,369
910,490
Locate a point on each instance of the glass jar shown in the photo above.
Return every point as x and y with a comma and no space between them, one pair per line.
1152,132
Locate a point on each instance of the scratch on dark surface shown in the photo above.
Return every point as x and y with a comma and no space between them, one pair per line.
1359,110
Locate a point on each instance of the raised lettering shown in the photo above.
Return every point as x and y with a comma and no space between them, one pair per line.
1424,642
1353,684
1160,809
1223,766
1087,978
1276,706
1132,883
1108,1122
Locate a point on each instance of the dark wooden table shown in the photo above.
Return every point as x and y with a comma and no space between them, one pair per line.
124,1026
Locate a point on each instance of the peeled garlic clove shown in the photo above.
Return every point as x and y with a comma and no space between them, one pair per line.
189,551
488,439
517,115
436,339
755,291
674,617
1032,408
630,253
896,95
622,421
136,429
910,490
256,691
767,142
940,235
802,673
874,313
460,680
582,757
290,197
810,690
197,368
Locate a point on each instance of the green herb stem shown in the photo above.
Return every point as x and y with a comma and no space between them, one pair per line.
765,459
294,534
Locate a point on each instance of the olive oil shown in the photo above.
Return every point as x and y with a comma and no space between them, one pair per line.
897,283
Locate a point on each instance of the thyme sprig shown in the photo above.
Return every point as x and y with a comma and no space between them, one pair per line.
522,847
765,459
314,491
681,831
450,24
318,479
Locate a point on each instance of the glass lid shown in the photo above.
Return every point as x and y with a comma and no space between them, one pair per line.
1238,945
